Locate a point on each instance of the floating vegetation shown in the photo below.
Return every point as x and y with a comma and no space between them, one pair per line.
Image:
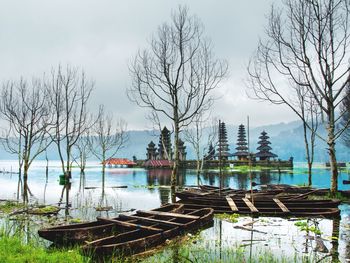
304,226
9,206
232,218
44,210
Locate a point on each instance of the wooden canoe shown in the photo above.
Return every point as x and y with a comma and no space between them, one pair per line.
237,194
78,233
297,212
274,207
139,240
267,202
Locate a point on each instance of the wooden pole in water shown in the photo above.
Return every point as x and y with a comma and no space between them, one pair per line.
250,162
220,179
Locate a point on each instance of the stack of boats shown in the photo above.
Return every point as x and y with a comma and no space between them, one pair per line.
269,202
130,234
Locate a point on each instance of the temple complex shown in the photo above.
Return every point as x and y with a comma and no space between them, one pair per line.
162,156
242,145
264,148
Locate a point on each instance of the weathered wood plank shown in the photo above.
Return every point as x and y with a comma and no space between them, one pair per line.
231,204
160,213
250,205
132,225
281,205
152,220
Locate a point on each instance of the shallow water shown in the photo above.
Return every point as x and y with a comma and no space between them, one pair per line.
149,189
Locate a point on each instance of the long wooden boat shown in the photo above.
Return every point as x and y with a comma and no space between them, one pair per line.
237,194
295,212
78,233
272,207
164,226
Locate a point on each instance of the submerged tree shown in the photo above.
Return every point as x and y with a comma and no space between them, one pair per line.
175,77
69,92
82,151
201,136
307,44
107,139
23,105
310,113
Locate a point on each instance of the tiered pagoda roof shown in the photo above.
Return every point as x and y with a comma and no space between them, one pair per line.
151,151
223,149
242,145
211,153
182,150
165,139
264,148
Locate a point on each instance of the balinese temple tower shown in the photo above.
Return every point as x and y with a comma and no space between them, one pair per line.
151,151
264,148
164,143
182,150
242,145
223,149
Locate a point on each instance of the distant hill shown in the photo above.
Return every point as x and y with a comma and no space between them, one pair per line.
286,141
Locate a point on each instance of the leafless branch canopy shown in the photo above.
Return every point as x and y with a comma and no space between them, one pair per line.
107,137
307,45
69,91
177,75
24,107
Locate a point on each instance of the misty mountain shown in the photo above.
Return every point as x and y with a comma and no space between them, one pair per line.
286,141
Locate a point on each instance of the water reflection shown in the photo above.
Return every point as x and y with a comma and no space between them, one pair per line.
147,189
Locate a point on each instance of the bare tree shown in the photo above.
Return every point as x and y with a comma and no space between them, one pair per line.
306,44
200,135
310,113
107,139
177,74
24,107
69,92
82,151
12,143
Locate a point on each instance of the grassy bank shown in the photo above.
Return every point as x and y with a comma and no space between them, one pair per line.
13,250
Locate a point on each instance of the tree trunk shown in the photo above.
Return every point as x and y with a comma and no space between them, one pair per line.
25,182
309,164
332,154
176,161
335,241
334,168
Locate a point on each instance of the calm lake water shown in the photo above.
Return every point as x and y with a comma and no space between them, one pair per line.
149,189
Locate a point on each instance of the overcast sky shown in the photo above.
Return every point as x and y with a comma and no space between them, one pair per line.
102,36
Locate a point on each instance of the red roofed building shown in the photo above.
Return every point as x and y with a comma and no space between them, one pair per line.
117,162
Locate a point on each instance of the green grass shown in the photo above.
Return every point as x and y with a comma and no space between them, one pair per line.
194,250
9,206
13,250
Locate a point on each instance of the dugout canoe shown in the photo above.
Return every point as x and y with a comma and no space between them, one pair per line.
274,207
78,233
164,226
